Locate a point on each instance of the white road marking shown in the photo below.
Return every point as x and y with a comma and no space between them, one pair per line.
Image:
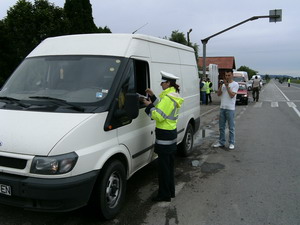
291,104
288,100
282,93
258,104
274,104
296,111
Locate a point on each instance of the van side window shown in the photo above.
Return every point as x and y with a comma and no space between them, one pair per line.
128,86
136,80
141,77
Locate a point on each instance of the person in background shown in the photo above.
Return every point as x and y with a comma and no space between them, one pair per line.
255,88
227,90
165,113
203,90
208,91
289,82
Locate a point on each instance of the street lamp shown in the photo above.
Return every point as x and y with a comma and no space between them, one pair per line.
188,36
274,16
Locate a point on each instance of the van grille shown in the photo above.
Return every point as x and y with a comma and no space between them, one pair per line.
12,162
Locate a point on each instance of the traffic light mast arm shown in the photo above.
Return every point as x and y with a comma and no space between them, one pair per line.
205,40
229,28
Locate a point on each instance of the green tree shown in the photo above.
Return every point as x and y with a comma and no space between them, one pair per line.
49,20
79,15
19,28
5,57
26,25
195,46
250,72
179,37
104,30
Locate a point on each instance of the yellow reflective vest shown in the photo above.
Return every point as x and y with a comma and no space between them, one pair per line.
203,89
207,87
165,111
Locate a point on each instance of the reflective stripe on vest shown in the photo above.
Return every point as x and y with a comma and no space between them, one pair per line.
166,142
172,116
156,102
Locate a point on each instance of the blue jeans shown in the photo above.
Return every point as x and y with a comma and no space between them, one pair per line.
203,97
226,115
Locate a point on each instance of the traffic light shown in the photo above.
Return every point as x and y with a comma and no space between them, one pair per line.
275,15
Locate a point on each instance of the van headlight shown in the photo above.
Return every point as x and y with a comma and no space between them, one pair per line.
53,165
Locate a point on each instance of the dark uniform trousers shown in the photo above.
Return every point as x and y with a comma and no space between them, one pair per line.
166,157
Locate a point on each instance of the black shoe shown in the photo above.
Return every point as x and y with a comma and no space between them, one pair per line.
173,196
160,199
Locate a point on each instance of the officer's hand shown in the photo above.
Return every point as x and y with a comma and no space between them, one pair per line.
146,102
149,92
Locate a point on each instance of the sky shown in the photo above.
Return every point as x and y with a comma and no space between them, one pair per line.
269,48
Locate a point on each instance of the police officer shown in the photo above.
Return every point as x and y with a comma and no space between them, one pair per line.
203,90
165,113
208,90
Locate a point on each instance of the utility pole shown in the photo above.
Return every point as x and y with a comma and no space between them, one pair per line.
274,16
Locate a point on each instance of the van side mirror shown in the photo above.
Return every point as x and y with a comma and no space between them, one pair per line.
132,105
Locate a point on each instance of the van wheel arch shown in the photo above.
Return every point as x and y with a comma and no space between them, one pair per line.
185,148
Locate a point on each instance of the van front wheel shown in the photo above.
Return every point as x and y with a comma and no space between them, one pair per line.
110,189
186,146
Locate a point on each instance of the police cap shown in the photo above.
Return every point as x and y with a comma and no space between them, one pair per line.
167,77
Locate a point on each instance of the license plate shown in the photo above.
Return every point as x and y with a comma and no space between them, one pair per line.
5,189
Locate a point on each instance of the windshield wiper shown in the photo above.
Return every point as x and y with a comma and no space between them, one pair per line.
60,101
13,100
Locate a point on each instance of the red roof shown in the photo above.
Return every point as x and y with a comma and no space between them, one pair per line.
222,62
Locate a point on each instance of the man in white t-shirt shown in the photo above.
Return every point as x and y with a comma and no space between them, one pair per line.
227,91
255,88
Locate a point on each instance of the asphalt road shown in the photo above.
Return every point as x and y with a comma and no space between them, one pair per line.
257,183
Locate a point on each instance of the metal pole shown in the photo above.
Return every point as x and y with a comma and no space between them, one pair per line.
188,36
204,42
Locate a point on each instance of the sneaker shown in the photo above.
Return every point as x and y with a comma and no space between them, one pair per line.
218,145
231,146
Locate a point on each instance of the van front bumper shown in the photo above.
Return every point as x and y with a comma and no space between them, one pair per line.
53,195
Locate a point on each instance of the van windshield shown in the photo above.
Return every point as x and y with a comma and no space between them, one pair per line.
239,79
73,79
242,87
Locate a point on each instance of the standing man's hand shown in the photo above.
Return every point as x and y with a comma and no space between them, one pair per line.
219,92
226,83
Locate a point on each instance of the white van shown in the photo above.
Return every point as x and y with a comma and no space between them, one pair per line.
72,128
240,76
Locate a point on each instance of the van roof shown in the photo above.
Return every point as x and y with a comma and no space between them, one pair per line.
97,44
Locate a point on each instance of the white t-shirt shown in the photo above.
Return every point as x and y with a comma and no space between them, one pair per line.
256,83
226,101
